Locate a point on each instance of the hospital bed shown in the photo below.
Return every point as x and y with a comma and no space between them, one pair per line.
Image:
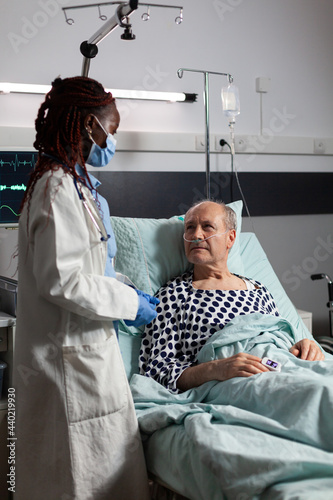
150,251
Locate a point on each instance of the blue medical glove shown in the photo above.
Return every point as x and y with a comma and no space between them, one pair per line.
150,298
146,311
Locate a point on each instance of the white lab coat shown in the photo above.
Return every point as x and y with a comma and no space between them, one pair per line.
77,433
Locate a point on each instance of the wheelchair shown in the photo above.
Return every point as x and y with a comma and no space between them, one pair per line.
327,342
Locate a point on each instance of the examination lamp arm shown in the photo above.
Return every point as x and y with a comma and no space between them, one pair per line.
89,48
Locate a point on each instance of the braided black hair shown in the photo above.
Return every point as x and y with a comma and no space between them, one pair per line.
60,124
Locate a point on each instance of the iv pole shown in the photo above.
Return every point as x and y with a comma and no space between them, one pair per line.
89,48
206,103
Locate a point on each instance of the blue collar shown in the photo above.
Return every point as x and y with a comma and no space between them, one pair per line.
94,182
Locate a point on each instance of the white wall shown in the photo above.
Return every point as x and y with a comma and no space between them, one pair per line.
289,41
297,247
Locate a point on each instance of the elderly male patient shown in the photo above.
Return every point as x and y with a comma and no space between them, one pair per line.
199,303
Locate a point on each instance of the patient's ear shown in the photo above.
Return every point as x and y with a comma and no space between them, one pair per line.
231,238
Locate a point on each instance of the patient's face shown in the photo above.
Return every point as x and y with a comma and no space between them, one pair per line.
207,221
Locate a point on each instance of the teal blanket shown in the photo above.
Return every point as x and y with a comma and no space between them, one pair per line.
269,436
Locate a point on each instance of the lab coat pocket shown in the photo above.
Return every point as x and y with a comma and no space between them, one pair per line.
95,381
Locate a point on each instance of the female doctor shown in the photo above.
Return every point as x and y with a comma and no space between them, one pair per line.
77,434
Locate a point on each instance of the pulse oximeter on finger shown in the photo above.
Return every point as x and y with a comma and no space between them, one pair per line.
275,366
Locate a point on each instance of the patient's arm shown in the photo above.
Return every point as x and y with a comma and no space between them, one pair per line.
239,365
307,349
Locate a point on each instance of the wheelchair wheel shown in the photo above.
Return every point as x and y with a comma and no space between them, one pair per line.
326,343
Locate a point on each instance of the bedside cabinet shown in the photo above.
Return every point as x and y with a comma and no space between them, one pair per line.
307,318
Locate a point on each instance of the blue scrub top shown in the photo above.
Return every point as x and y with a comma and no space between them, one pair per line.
104,210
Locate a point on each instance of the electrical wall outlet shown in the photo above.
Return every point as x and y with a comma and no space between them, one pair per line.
200,143
240,144
218,146
319,146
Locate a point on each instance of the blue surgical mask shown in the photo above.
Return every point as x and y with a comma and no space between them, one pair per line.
99,157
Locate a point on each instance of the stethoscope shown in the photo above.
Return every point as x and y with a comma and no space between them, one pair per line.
100,227
104,235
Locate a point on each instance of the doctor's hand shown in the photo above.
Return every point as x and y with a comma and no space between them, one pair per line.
307,349
146,310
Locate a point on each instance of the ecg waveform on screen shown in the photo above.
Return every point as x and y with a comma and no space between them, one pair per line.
14,187
9,208
16,163
15,168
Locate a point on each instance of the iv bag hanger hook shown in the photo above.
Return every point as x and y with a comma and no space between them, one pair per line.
206,74
146,15
101,16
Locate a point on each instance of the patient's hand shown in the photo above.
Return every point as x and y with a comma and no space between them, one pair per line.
307,349
238,365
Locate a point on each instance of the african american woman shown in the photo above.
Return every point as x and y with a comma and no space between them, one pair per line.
77,433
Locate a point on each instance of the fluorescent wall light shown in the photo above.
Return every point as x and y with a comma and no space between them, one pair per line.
26,88
23,88
149,95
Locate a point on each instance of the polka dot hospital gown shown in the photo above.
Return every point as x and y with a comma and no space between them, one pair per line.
187,317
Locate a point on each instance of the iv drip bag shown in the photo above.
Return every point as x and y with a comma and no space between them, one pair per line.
230,101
